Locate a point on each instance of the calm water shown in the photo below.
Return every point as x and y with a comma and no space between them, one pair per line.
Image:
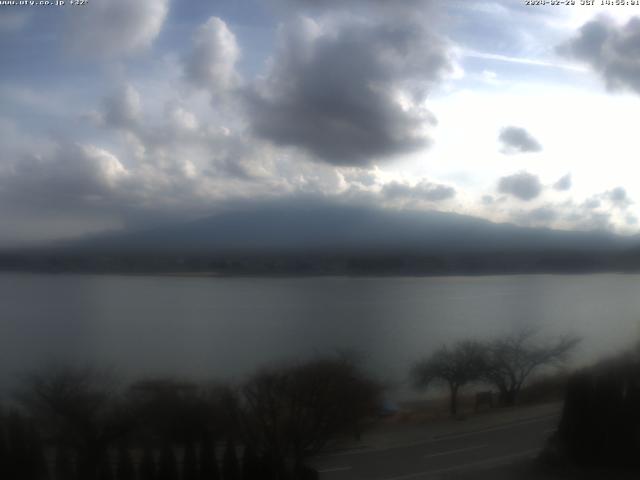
225,328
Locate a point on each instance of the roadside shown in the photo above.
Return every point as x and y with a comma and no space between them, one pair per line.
435,449
396,431
529,469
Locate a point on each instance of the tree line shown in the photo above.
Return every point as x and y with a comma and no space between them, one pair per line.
600,423
82,424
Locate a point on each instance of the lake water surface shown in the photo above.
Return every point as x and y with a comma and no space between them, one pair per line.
228,327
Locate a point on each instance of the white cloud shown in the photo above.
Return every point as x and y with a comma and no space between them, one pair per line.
183,120
564,183
211,64
72,173
114,28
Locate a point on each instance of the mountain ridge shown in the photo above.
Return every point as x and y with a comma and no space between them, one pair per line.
312,238
338,227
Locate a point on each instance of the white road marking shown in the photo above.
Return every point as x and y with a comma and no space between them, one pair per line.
451,452
335,469
489,461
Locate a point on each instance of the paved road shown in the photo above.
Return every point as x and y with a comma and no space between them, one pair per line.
441,456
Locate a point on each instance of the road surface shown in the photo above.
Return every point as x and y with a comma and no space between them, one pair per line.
443,455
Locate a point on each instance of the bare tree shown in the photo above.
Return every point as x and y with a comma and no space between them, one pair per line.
455,367
512,359
80,408
291,413
181,411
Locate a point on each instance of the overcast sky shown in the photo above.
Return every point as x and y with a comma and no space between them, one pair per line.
121,114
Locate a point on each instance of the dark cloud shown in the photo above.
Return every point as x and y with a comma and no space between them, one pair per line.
423,191
610,49
352,94
563,184
523,185
518,140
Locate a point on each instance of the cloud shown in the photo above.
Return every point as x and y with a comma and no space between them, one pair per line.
350,92
611,49
66,191
598,212
537,217
565,215
618,197
115,27
122,109
592,203
423,191
360,7
211,64
518,140
333,4
73,172
487,200
524,186
563,184
542,215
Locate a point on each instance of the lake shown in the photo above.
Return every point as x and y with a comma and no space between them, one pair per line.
227,327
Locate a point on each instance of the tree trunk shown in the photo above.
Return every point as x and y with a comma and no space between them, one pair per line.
453,401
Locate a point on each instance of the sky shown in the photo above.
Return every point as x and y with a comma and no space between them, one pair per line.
123,115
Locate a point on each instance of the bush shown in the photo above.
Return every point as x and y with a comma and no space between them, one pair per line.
190,463
208,461
168,466
230,467
292,413
63,465
148,469
600,424
125,469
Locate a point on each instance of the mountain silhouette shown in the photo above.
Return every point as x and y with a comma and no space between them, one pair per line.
324,237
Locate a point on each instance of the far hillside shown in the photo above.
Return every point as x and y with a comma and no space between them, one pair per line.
277,238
